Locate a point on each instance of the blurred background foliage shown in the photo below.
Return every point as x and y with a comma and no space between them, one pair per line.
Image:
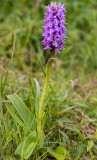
74,76
25,18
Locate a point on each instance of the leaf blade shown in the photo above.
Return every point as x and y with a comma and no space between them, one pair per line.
20,107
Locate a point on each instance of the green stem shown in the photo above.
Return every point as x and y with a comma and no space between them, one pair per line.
41,103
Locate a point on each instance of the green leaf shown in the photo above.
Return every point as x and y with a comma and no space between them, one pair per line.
27,146
96,135
95,147
65,110
69,108
65,137
38,93
80,150
37,97
15,116
65,120
60,153
80,105
77,131
41,138
65,94
21,108
90,145
30,149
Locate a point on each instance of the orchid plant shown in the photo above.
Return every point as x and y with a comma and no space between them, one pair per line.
54,35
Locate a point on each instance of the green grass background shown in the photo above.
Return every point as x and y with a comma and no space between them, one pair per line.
74,73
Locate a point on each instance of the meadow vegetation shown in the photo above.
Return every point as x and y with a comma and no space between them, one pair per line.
70,119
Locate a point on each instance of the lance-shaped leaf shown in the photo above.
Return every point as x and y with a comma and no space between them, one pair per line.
21,108
26,147
60,153
37,96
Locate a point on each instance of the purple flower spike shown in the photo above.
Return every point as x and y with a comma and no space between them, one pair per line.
54,30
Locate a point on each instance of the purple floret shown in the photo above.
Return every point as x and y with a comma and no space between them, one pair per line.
54,30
